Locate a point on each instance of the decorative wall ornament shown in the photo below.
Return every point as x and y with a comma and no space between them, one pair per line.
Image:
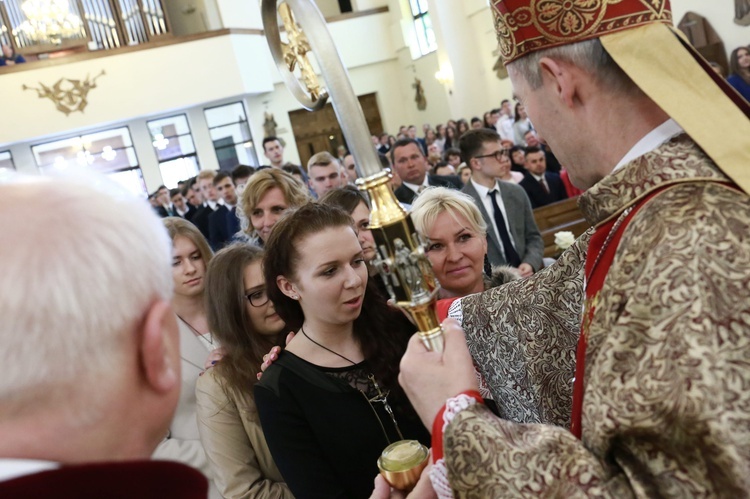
68,95
269,125
742,12
419,98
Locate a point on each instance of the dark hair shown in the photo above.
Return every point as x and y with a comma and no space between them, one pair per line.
221,176
518,116
453,151
241,171
228,320
471,142
347,198
403,143
533,150
475,120
160,188
438,165
382,344
174,192
516,166
270,138
452,141
734,64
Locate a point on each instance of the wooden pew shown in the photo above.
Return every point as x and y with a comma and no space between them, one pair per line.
556,217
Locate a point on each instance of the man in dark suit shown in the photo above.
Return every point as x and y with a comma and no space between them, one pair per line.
181,206
512,234
163,206
70,428
205,181
223,223
541,186
411,165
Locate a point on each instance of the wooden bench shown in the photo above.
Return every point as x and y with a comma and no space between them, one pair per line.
561,216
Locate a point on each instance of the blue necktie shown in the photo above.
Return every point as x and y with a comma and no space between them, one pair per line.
511,256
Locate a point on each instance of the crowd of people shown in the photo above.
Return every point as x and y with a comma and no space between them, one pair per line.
618,370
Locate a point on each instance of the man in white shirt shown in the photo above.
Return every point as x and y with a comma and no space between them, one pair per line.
513,237
411,165
90,385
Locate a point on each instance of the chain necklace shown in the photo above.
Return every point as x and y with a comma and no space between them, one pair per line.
198,333
381,396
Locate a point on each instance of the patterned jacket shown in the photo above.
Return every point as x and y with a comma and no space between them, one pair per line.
666,409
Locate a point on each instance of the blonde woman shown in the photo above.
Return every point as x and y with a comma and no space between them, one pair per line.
457,244
190,257
267,195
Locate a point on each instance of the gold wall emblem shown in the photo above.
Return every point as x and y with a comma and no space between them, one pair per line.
68,95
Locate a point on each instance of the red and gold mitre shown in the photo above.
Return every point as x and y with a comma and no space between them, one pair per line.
640,38
524,26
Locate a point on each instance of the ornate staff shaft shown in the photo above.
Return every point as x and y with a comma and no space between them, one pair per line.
401,262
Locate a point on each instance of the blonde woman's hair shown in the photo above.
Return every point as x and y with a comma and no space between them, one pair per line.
295,193
435,200
177,226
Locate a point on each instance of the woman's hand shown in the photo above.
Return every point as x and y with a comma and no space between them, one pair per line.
215,356
271,356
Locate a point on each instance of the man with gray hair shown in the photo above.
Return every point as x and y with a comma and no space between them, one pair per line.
90,348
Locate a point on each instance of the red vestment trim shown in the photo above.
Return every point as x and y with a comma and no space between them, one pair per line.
599,257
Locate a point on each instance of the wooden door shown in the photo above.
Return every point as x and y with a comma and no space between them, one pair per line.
320,131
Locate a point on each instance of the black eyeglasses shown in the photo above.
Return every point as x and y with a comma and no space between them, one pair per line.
257,298
498,155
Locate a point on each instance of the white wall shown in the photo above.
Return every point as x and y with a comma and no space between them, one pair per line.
720,13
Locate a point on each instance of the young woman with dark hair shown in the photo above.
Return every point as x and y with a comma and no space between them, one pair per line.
331,402
243,319
739,71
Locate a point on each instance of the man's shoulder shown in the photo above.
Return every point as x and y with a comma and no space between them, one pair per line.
511,189
142,479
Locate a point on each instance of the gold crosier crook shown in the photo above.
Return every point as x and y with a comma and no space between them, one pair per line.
401,259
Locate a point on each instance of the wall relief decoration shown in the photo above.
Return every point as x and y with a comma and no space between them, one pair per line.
68,95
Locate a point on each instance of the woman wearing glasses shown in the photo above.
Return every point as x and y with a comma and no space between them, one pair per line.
331,403
244,320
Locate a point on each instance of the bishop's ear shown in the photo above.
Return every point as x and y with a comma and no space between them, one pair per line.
560,78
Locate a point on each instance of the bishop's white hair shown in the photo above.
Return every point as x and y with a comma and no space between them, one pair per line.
80,263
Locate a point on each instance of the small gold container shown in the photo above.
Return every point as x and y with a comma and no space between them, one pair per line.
401,463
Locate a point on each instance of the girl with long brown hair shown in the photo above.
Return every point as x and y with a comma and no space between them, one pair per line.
243,319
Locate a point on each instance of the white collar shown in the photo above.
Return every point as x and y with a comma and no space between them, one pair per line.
654,139
14,468
415,187
482,190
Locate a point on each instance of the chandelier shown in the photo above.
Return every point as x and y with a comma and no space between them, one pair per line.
50,21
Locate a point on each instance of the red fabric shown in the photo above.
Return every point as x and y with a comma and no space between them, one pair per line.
442,307
525,26
595,277
570,189
437,426
115,480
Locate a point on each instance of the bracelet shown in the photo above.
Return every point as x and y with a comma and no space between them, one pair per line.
454,405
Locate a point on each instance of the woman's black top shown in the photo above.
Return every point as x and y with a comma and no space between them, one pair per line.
323,433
